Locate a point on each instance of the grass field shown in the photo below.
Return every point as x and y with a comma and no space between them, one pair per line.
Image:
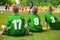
48,35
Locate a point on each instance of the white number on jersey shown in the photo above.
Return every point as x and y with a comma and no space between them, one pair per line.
52,19
36,21
15,24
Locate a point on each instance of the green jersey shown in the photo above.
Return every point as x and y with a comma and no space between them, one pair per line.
34,22
53,22
16,23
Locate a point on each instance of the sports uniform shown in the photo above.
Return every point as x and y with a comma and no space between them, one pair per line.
16,23
34,23
53,22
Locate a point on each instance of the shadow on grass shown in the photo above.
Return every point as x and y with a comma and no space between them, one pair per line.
24,35
38,31
20,35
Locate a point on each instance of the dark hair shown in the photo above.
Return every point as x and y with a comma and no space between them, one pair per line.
15,8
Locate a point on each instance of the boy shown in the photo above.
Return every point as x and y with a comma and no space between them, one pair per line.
15,23
34,21
50,19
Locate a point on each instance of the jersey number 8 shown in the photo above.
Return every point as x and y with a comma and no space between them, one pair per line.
15,22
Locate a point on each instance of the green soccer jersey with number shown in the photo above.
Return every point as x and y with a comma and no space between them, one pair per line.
16,23
53,22
34,22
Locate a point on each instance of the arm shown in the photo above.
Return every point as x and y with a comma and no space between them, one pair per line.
46,26
3,29
26,26
4,26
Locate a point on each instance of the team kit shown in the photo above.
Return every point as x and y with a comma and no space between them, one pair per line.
19,26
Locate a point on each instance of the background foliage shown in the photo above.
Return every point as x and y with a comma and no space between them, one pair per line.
35,2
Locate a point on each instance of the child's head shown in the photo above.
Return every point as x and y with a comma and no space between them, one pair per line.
15,8
49,9
34,10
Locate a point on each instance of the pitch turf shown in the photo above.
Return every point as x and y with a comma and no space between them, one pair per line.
48,35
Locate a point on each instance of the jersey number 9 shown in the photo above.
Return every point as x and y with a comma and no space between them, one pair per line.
36,21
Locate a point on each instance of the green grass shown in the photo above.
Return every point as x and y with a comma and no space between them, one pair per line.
48,35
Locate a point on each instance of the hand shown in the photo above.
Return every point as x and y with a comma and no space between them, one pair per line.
45,28
26,26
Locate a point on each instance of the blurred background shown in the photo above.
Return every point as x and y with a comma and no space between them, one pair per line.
24,4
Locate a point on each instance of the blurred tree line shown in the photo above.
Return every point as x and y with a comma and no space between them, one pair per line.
35,2
10,2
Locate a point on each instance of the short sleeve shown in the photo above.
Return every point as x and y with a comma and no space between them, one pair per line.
8,22
28,20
